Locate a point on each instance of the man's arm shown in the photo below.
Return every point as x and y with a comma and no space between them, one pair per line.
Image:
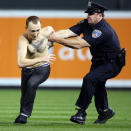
46,31
22,52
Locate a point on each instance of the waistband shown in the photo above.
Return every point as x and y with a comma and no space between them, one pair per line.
43,65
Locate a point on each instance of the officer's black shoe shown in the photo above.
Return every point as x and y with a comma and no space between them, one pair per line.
104,116
21,119
79,117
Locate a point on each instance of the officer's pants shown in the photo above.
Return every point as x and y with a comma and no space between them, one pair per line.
31,78
94,85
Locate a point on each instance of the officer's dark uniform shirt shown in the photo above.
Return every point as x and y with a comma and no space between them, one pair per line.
102,38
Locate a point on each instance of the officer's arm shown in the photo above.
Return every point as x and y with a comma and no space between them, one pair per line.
70,42
22,52
65,33
74,43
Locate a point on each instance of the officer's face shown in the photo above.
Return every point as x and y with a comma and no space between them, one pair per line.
94,18
33,30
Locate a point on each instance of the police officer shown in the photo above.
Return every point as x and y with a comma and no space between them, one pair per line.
104,46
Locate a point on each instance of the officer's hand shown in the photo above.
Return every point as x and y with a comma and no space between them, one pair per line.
53,37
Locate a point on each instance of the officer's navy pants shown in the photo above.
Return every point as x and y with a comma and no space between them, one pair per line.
31,78
94,85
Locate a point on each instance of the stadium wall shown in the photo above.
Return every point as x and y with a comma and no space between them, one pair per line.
70,65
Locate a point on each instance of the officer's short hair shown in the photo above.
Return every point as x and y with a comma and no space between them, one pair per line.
33,19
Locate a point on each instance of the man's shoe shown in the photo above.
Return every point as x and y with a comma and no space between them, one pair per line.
79,117
104,116
21,119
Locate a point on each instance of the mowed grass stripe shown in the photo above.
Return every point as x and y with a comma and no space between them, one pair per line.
53,115
53,108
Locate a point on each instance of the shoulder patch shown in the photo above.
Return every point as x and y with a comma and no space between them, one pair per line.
96,33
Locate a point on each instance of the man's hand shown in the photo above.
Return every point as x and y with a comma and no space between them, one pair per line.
49,58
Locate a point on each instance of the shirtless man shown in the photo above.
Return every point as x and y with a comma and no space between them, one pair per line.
35,61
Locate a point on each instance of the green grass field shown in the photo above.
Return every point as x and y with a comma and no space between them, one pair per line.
53,108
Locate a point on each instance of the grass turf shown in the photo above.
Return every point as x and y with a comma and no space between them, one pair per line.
53,108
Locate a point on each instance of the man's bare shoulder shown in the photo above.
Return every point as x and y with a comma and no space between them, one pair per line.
22,40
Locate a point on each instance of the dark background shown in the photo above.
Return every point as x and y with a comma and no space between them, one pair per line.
62,4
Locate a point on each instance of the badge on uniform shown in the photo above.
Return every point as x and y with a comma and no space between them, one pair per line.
96,33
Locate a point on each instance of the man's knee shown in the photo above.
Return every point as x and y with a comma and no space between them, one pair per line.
32,85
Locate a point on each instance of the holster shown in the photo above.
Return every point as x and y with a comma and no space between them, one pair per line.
121,60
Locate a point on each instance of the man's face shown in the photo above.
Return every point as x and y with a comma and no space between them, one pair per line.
93,18
33,30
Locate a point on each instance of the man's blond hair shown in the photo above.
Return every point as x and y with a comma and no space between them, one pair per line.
33,19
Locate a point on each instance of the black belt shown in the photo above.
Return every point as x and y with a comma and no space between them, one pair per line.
35,68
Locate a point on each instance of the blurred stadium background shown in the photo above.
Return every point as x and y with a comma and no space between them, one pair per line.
53,108
71,65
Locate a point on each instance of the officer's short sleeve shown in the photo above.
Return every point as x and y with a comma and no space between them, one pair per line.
78,28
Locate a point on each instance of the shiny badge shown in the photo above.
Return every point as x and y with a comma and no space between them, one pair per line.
96,33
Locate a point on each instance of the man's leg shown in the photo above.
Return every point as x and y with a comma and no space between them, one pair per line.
27,101
25,75
39,75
